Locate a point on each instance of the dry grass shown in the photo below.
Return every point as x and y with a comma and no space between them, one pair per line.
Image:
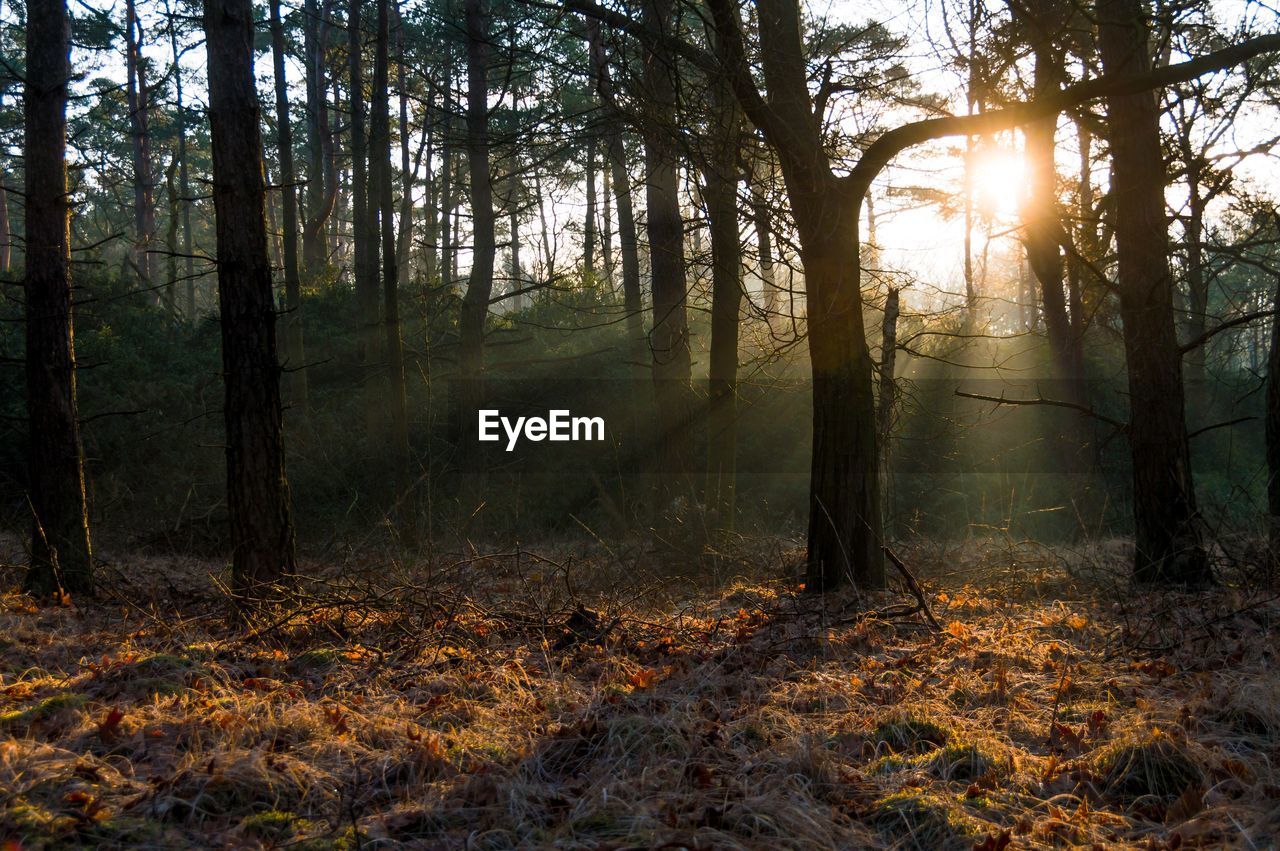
744,716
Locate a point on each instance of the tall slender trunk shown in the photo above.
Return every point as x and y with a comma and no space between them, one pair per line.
446,180
364,207
1197,282
1042,221
144,221
1167,528
383,196
589,220
61,555
257,491
475,304
404,245
171,238
620,177
721,191
764,243
669,340
606,231
322,175
1273,423
430,220
295,356
184,182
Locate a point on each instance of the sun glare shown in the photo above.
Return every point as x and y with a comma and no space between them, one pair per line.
999,182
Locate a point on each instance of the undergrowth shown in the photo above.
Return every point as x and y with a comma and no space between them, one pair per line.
579,702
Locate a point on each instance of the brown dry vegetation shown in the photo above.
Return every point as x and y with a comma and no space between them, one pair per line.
1054,710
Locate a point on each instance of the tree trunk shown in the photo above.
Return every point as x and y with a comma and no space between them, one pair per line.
380,163
295,357
1273,424
184,183
144,215
721,189
1197,282
61,556
1166,525
364,208
322,177
764,245
589,220
620,177
669,340
845,524
404,245
257,491
475,304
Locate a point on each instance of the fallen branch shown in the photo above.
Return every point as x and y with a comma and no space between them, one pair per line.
914,587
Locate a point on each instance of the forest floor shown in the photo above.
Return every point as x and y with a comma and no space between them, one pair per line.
585,700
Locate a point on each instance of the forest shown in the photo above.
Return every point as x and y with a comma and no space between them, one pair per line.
639,424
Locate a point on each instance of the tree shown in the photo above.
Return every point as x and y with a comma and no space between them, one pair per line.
381,196
845,526
475,304
144,210
1166,524
61,555
294,354
669,337
257,491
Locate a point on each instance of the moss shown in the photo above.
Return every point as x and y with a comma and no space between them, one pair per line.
44,709
273,825
911,735
323,657
918,820
961,761
1152,765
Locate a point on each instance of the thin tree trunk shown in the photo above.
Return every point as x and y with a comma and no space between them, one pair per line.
405,244
589,220
380,166
1273,424
606,233
1197,282
257,491
184,183
364,207
669,340
61,555
475,304
620,177
143,201
322,176
295,356
1166,525
764,245
721,182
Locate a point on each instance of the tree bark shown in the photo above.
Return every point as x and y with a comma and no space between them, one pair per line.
1273,424
144,215
184,183
295,356
61,555
364,207
257,491
669,338
721,178
322,176
380,145
628,241
1166,525
475,304
589,220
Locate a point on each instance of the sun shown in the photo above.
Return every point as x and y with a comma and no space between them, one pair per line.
999,182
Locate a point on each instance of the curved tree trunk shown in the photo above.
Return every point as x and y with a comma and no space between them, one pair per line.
257,491
61,556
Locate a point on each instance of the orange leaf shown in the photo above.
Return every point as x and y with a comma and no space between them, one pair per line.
643,678
107,726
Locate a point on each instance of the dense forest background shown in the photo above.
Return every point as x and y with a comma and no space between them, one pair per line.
969,312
